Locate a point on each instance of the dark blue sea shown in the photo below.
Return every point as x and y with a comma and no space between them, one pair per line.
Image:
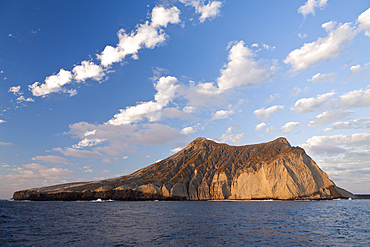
188,223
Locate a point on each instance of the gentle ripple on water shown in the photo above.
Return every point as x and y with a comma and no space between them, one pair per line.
188,223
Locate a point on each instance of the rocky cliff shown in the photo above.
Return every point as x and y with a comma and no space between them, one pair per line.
206,170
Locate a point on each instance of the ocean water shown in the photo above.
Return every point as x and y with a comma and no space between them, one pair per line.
186,223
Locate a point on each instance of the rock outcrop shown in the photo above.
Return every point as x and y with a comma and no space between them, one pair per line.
206,170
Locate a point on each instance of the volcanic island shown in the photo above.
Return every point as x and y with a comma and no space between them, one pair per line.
207,170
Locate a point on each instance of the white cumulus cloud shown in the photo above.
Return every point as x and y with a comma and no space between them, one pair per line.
221,114
229,137
209,10
243,69
311,104
356,68
364,21
88,143
328,117
53,84
162,16
15,90
87,70
361,123
187,130
288,127
260,126
337,144
147,35
166,89
310,6
264,114
355,99
322,77
331,46
22,98
134,114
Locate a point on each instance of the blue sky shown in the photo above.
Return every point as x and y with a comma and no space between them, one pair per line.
98,90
